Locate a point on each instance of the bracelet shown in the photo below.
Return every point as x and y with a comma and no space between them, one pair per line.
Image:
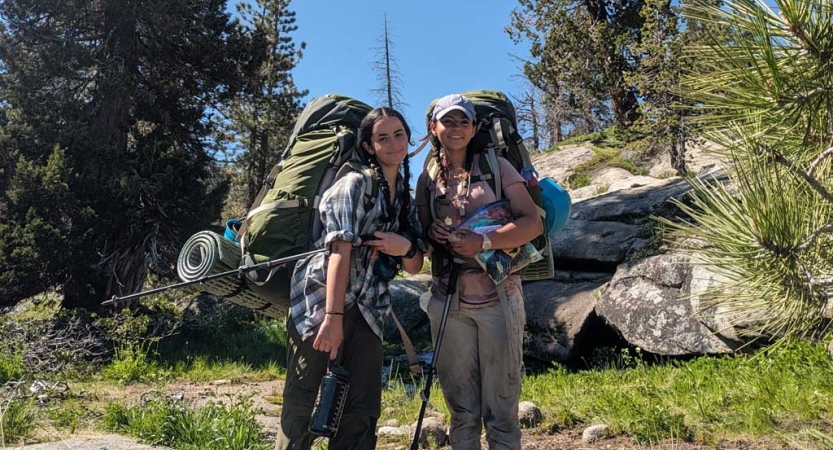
334,313
412,251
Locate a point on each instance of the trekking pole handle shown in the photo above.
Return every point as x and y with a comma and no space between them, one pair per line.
240,270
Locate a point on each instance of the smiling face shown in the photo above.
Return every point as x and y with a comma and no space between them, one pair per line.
389,142
454,131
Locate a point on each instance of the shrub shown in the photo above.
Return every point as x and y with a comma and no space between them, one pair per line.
17,420
178,425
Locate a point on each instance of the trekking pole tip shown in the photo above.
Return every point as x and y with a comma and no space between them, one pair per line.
110,302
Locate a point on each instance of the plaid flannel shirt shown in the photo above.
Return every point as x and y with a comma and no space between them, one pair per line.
343,214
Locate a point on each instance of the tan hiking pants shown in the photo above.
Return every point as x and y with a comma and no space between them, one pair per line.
479,369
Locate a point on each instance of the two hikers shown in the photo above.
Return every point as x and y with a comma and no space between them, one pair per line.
337,308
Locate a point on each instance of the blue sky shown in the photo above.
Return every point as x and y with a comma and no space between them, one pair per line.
440,46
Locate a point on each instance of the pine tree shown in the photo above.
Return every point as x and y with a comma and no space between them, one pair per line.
581,50
657,80
106,108
766,97
261,118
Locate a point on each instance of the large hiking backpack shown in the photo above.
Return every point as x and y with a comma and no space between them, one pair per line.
284,220
497,135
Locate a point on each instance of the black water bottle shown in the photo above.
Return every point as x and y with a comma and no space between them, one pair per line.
332,396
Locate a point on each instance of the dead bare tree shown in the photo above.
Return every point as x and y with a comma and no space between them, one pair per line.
387,71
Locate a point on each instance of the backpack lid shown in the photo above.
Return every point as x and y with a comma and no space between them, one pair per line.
330,110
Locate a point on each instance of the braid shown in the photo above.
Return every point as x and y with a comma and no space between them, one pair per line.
436,147
405,207
383,187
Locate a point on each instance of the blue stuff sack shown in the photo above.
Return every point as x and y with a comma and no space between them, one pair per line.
232,225
557,204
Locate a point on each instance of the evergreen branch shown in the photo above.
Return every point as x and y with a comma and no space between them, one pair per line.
823,284
818,160
812,181
825,229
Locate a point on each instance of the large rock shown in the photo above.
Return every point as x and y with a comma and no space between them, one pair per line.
558,318
609,175
613,180
733,326
604,243
626,204
700,159
108,442
649,304
635,182
586,192
405,304
559,164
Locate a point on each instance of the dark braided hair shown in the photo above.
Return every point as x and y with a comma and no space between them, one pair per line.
366,138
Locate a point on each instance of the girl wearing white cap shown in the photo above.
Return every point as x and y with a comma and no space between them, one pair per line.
479,366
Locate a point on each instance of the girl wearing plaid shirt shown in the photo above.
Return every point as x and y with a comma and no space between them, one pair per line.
332,318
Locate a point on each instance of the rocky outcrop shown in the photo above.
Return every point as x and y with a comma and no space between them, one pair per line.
638,202
559,316
658,303
612,280
405,304
650,304
559,165
602,245
700,159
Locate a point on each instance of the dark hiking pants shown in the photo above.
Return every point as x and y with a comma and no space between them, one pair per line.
361,355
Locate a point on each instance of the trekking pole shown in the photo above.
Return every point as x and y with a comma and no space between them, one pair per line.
426,391
240,270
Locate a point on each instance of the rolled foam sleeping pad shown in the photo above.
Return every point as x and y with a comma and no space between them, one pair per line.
208,253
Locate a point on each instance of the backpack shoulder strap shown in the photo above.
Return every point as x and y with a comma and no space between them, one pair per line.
371,192
370,186
494,170
433,171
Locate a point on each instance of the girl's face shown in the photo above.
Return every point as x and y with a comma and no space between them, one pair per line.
389,142
454,130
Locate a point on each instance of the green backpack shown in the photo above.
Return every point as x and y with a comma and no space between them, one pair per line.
284,220
498,135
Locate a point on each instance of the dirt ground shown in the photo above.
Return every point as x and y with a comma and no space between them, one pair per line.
266,396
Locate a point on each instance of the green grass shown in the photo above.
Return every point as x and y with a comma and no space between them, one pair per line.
426,269
783,393
17,420
227,348
404,408
134,362
40,306
11,364
603,157
781,390
71,415
182,426
226,343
